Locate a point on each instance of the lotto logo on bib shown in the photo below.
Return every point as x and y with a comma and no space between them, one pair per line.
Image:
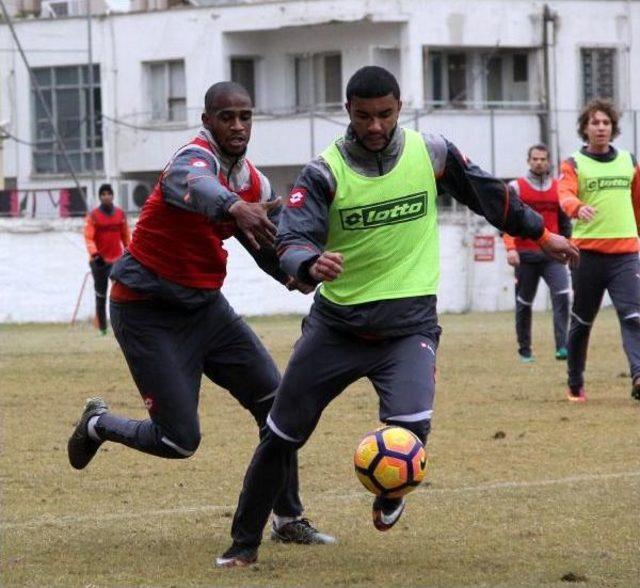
390,212
612,183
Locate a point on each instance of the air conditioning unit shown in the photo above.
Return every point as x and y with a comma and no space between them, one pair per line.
56,8
132,194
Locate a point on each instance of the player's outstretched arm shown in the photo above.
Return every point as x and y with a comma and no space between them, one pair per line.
252,220
487,196
559,248
190,181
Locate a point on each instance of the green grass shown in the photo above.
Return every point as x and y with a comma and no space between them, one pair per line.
557,491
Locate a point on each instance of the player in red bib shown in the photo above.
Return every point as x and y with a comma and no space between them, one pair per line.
169,315
106,233
540,191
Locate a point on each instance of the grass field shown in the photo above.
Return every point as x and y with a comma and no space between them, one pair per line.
523,489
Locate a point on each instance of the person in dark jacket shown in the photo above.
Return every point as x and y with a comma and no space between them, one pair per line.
169,315
361,221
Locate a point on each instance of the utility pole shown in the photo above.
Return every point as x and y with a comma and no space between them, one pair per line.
92,111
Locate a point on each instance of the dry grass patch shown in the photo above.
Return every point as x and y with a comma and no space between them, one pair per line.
524,488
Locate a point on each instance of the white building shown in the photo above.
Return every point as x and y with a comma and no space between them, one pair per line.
494,76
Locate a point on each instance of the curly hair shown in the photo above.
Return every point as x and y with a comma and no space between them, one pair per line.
598,105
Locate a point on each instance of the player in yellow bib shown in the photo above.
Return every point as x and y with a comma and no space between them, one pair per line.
600,189
362,221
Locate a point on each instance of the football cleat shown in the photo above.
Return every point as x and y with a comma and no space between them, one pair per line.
576,396
635,388
301,532
386,512
237,557
526,358
561,354
81,447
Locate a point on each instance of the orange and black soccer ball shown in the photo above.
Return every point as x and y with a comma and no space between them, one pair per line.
390,462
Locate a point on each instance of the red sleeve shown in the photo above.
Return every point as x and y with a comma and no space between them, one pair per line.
635,196
90,235
568,189
509,242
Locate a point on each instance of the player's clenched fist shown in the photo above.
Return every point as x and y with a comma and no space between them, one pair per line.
327,267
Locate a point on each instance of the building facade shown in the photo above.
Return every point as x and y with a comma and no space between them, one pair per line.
494,76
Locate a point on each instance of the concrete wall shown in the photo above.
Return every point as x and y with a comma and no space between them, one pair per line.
43,265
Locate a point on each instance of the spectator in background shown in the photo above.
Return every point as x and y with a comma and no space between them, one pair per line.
106,234
600,187
540,191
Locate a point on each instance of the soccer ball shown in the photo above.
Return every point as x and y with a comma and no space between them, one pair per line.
390,462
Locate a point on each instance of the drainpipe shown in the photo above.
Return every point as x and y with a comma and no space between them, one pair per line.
547,123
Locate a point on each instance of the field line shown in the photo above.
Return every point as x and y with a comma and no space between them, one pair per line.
72,520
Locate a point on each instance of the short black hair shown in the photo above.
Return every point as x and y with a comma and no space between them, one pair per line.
372,81
222,89
537,147
105,188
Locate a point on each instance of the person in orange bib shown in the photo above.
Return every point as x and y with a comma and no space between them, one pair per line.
599,187
540,191
106,234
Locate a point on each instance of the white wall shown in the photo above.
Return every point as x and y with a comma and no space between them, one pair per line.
42,268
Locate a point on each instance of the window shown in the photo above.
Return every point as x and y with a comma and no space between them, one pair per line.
167,91
598,74
448,74
478,78
243,72
318,80
66,92
506,78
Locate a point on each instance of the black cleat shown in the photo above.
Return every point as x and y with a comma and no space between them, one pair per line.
81,448
237,557
301,532
386,512
635,389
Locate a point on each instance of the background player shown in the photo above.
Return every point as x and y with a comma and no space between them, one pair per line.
106,233
540,191
600,188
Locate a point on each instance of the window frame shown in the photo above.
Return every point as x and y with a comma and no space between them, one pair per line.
255,61
582,93
317,90
168,99
45,145
477,60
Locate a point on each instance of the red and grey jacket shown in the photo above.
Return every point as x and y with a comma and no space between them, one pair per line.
179,235
106,233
